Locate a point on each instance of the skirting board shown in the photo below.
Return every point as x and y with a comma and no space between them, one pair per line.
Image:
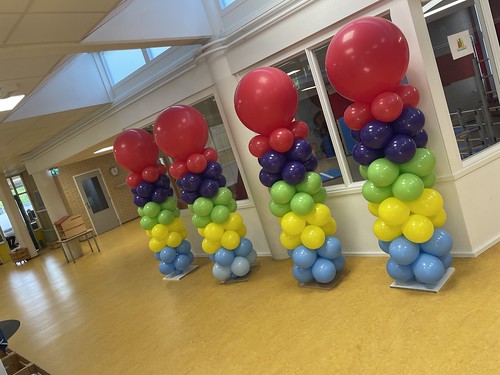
425,287
174,277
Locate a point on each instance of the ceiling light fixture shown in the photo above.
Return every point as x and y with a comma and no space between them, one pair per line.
443,8
309,88
431,4
9,103
104,149
293,72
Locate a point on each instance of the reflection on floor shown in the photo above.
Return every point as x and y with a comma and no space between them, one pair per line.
111,313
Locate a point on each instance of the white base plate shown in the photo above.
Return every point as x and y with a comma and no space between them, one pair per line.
174,277
413,284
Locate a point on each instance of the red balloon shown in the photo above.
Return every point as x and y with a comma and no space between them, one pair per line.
196,163
358,115
133,179
299,129
387,106
366,57
259,145
150,174
281,140
135,149
180,131
178,169
162,169
409,95
210,154
266,99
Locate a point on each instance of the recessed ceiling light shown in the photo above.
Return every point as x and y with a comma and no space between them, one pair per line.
440,9
109,148
9,103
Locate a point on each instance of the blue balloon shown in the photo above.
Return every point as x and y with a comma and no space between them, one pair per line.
376,134
410,122
163,181
311,164
384,245
240,266
191,181
166,268
302,275
168,254
273,162
399,273
400,149
446,260
224,257
252,257
157,255
323,270
145,189
303,257
365,155
330,249
428,269
211,257
421,138
301,150
181,262
290,253
213,170
268,179
184,247
244,248
293,172
178,272
191,257
208,188
339,262
403,251
439,244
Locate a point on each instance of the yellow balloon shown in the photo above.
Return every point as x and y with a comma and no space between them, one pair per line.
149,234
312,237
174,239
373,208
290,242
230,240
234,222
160,232
428,204
210,247
214,232
320,215
155,245
292,224
242,231
386,232
330,228
393,211
176,225
184,234
201,232
418,228
439,219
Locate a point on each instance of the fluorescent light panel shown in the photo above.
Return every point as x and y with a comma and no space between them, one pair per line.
9,103
293,72
109,148
443,8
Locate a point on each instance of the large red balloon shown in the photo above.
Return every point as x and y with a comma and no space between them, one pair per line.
135,149
366,57
180,131
266,99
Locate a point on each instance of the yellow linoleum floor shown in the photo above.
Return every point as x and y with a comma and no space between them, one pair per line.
111,313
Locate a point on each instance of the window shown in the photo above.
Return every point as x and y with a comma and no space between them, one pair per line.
225,3
155,52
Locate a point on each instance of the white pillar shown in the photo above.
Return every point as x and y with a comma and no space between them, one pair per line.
50,195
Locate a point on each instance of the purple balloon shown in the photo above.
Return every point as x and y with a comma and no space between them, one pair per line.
400,149
208,188
268,179
159,195
145,189
311,164
163,181
273,162
170,191
189,196
140,201
376,134
221,181
356,135
133,191
410,122
301,151
191,182
293,172
364,155
421,138
179,182
213,170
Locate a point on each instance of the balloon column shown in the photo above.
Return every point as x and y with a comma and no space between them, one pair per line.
266,101
136,151
182,133
366,62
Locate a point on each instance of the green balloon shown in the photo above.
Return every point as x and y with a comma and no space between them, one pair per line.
169,204
408,187
383,172
151,209
279,210
320,196
148,223
223,196
302,204
219,214
232,205
140,211
429,180
176,212
281,192
203,206
374,193
311,184
190,208
363,171
201,221
165,217
422,164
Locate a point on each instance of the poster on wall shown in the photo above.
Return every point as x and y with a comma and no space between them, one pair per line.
460,44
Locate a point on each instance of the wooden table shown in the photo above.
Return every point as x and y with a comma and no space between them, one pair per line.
89,233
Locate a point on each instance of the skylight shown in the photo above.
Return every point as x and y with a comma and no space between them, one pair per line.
9,103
